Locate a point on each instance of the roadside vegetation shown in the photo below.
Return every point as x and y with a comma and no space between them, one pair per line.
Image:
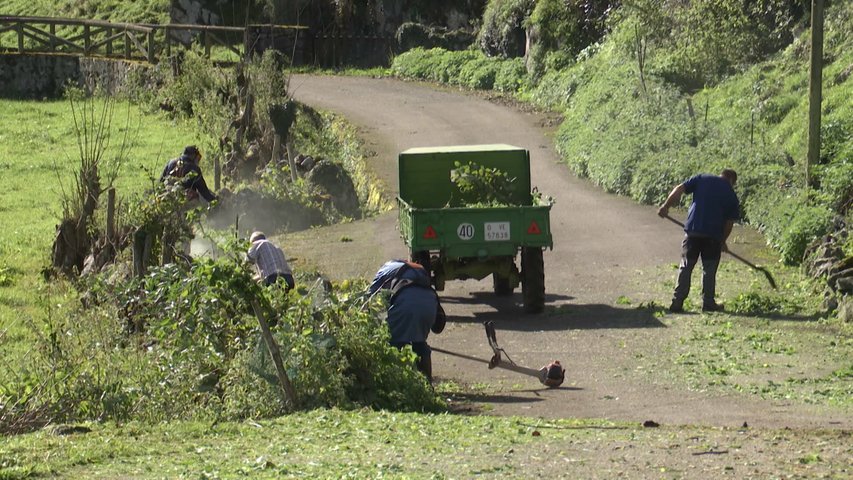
663,95
121,328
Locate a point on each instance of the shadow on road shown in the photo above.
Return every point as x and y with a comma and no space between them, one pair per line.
510,397
563,317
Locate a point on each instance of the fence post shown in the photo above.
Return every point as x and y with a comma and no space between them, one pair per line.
217,173
206,39
151,58
87,40
815,88
111,214
126,44
109,45
291,159
168,35
52,37
20,29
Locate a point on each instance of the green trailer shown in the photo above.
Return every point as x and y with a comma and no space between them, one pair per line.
474,242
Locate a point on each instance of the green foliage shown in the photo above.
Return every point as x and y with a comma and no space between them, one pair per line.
697,43
40,146
790,220
759,303
511,76
502,33
469,68
478,74
437,65
196,93
562,29
183,342
478,185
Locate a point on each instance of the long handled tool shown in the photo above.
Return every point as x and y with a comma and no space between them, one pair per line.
551,375
739,258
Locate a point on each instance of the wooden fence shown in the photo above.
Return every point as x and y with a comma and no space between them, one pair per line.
149,42
84,37
97,38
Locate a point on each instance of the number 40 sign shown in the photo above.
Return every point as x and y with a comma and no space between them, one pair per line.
465,231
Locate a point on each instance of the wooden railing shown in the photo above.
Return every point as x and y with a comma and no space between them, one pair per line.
85,37
109,39
209,36
149,42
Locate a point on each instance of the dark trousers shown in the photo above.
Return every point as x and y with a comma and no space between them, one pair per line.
710,249
288,278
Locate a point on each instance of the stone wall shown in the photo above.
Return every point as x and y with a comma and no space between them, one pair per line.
46,76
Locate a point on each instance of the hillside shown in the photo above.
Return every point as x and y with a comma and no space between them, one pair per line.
153,11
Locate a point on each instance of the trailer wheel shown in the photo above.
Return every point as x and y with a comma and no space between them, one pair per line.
501,285
533,279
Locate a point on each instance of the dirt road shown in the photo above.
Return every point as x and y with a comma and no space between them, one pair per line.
606,249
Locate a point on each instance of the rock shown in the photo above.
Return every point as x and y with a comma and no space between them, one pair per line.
333,180
845,285
845,309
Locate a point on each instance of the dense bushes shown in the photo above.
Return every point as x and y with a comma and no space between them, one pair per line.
183,342
468,68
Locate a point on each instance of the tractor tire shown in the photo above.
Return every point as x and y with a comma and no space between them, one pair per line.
501,285
533,279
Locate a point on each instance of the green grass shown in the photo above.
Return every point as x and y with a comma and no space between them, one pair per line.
38,161
773,344
337,444
152,11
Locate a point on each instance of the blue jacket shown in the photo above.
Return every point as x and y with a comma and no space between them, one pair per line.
412,310
714,203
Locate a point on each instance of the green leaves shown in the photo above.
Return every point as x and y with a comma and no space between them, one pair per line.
478,185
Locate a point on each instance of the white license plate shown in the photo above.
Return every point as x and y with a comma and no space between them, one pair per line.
496,231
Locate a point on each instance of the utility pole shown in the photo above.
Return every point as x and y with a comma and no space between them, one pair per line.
815,87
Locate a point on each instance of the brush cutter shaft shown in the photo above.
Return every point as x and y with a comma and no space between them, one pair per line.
540,374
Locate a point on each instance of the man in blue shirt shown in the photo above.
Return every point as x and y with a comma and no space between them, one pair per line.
412,310
712,214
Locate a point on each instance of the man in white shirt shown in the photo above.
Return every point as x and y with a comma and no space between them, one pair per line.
270,261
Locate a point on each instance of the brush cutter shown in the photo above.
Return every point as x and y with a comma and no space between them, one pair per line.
551,375
737,257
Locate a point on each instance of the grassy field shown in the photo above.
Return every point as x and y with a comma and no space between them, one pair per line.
337,444
38,160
